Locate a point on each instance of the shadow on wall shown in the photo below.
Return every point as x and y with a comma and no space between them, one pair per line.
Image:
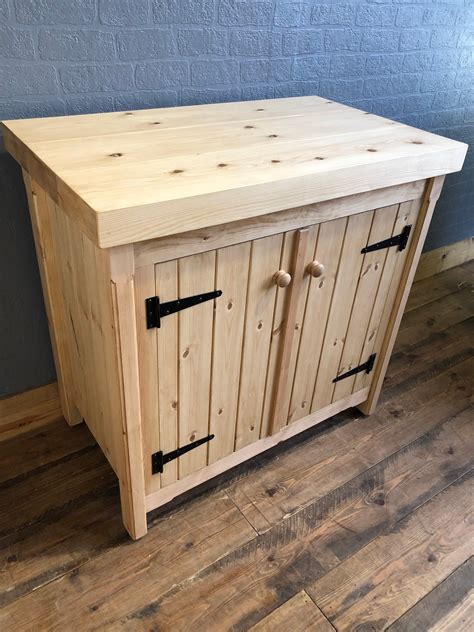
25,353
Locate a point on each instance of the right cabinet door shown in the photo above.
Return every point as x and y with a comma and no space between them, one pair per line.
347,305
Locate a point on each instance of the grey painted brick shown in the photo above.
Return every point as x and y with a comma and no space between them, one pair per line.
149,99
297,88
255,43
369,15
162,74
446,118
94,78
466,39
303,42
16,109
55,11
435,81
343,89
446,99
254,93
390,106
192,96
464,79
347,65
16,43
90,104
207,73
25,79
391,86
266,70
145,43
333,14
310,68
444,37
418,103
440,16
413,39
384,64
4,9
380,40
203,42
183,11
342,39
416,62
290,14
123,12
410,16
245,13
68,45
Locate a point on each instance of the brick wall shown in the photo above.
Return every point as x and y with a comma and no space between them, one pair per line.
410,60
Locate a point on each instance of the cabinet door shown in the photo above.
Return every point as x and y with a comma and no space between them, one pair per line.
205,369
347,308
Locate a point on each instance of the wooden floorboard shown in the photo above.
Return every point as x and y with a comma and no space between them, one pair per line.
362,523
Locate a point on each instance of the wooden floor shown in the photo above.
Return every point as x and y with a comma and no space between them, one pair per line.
361,524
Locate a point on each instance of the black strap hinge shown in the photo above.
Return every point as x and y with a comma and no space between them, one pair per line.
158,459
367,367
400,240
155,310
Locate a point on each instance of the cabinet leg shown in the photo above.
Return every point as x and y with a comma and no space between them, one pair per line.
133,512
71,414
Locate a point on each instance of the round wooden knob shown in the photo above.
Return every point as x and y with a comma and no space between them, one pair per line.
282,278
315,269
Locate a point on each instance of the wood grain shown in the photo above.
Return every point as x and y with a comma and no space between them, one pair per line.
299,614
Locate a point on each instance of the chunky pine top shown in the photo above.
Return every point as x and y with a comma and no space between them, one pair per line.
131,176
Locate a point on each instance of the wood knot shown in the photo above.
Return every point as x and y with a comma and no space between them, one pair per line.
417,142
222,164
318,158
220,411
260,109
156,123
372,150
177,171
272,135
249,127
116,155
186,353
260,325
275,161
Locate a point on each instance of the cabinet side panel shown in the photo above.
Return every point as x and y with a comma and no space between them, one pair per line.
43,223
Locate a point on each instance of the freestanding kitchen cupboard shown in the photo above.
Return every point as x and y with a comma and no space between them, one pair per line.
221,277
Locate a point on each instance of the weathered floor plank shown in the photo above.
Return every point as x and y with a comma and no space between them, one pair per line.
380,582
437,287
449,606
298,614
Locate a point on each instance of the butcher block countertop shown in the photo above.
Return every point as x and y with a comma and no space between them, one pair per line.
131,176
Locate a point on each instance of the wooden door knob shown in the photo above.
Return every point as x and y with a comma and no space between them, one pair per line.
282,278
315,269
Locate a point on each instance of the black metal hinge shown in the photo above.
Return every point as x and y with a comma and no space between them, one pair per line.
367,367
155,310
158,459
400,240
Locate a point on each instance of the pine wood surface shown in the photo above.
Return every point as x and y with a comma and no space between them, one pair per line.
359,522
131,176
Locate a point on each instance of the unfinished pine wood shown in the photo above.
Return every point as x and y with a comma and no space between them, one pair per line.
202,172
444,258
34,408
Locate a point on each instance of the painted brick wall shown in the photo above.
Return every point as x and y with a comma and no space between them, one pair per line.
411,60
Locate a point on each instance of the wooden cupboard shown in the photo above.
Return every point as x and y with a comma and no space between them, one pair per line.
199,316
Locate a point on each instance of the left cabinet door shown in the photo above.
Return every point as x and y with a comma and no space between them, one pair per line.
207,369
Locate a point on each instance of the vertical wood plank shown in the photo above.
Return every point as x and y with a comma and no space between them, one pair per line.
303,254
166,287
144,285
328,249
196,274
371,272
388,283
281,308
355,239
131,479
265,259
232,266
